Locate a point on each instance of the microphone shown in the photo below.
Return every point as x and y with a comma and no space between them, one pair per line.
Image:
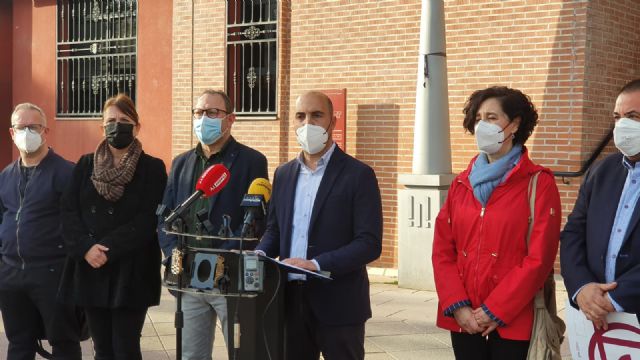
255,202
212,180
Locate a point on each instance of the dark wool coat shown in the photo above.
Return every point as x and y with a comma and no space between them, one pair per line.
131,276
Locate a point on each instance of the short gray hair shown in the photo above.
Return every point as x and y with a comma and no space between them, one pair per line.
28,106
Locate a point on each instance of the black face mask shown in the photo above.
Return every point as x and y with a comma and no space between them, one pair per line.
119,135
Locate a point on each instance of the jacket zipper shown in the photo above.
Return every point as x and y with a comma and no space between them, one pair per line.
26,186
478,252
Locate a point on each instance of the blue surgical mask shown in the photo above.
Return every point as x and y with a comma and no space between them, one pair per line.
208,130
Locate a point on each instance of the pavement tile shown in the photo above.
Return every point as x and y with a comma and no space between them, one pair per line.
407,342
150,343
431,354
379,356
155,355
389,328
164,328
371,348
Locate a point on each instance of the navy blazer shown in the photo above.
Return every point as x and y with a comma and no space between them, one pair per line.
245,165
345,234
585,238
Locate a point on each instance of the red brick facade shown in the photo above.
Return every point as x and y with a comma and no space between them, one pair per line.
569,56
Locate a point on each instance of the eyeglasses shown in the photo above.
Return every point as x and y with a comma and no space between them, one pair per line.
34,128
211,113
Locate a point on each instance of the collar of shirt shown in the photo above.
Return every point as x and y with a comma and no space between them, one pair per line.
219,154
324,160
632,167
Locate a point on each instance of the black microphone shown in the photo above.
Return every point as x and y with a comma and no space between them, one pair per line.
210,182
254,203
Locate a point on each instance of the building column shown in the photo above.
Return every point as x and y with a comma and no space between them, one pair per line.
426,187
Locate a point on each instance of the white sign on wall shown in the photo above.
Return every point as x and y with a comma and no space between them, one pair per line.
620,342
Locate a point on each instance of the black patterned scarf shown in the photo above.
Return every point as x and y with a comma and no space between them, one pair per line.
110,180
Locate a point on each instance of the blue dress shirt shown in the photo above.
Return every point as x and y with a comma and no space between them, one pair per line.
626,206
306,190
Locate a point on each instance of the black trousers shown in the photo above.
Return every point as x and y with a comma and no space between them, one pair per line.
492,347
306,337
30,312
116,332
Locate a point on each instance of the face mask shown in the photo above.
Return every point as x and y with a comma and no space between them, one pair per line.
312,138
489,137
26,140
626,136
207,130
119,135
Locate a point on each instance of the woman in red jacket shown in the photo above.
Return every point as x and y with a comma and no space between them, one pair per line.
486,276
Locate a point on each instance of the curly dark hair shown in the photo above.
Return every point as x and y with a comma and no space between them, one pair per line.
514,103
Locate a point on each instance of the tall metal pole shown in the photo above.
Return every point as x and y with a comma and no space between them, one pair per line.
426,188
431,145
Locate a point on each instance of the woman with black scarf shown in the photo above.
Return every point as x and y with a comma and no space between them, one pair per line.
109,225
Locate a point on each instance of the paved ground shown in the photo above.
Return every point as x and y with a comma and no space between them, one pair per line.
402,327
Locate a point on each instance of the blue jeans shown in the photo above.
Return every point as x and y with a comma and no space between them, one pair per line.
200,313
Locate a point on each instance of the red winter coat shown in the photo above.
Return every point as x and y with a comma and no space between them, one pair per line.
481,255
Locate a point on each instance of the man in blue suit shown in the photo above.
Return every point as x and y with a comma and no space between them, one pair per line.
600,244
325,215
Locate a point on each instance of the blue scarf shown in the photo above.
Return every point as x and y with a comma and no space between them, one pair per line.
486,176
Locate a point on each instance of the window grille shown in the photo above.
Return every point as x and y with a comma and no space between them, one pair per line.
252,56
96,54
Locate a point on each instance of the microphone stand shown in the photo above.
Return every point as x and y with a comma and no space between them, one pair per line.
178,226
236,321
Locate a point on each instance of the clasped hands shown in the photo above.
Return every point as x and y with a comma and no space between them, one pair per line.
96,256
595,304
474,321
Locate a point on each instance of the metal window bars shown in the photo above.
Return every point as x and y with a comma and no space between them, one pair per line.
252,53
96,54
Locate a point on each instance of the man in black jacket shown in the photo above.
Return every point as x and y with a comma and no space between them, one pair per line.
213,118
33,250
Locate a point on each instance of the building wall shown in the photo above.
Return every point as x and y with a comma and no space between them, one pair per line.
34,74
6,23
613,58
558,52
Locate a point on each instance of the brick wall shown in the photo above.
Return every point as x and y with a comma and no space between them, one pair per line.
535,46
267,136
569,56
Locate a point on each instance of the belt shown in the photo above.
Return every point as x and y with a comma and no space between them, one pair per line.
296,283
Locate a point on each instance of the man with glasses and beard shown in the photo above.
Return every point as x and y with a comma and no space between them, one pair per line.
213,118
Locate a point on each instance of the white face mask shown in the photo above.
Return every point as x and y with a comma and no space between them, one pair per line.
312,138
489,137
626,136
26,140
